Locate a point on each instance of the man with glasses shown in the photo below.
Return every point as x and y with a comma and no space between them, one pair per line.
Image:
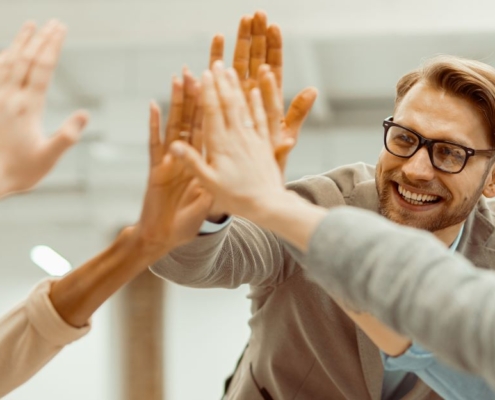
432,174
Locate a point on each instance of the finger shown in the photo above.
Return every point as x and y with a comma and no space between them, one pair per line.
195,164
299,109
66,136
43,53
6,62
263,70
190,97
20,63
282,151
213,120
274,54
258,43
242,116
24,35
273,106
232,103
197,134
216,49
155,144
258,113
172,129
242,47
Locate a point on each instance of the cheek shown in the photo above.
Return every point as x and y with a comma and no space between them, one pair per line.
462,190
387,162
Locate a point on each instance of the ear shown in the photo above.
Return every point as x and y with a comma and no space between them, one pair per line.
489,189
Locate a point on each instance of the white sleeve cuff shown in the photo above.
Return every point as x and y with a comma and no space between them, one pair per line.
211,227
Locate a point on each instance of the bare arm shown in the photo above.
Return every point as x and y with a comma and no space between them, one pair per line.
173,208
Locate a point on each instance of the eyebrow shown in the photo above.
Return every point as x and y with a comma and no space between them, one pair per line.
455,141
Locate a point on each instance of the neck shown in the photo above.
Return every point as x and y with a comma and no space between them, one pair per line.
448,235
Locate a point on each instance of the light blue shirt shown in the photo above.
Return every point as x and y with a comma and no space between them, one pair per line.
450,384
400,373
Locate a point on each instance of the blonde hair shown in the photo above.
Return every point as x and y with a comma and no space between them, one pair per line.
471,80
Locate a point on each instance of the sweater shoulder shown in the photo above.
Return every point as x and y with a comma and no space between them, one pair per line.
335,187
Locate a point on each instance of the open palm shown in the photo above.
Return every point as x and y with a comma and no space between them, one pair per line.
258,50
26,68
175,205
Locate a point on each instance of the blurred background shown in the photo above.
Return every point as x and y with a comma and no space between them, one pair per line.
122,53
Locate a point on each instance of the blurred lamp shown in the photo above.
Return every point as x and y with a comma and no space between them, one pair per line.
50,261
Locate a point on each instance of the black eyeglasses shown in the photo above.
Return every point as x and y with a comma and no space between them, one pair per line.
445,156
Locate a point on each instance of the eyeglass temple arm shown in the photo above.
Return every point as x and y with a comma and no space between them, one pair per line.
488,152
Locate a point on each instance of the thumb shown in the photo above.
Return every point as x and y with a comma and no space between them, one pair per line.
195,163
299,109
282,151
66,136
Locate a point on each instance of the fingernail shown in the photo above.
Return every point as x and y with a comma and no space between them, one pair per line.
218,65
207,76
231,73
177,149
255,92
82,121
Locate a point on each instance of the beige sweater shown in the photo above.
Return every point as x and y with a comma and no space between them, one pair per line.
30,336
302,345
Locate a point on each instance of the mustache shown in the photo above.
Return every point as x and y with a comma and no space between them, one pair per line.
430,187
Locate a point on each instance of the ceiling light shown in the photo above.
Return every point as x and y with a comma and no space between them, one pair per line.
50,261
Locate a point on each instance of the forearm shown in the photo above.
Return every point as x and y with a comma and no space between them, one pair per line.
241,253
77,296
385,338
288,216
195,264
410,281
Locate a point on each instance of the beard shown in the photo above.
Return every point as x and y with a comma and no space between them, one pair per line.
447,215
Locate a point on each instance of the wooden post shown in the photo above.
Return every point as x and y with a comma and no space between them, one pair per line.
142,338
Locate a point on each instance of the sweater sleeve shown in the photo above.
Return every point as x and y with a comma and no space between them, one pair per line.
31,334
409,280
238,254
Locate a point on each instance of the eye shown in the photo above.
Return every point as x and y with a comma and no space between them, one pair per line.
400,137
452,154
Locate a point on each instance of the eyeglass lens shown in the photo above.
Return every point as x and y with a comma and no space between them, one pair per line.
445,156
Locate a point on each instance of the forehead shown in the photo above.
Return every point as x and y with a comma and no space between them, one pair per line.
439,115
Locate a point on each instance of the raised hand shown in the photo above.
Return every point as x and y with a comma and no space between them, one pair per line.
26,68
240,167
242,173
259,50
175,205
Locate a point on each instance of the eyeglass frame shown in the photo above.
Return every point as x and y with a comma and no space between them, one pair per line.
388,123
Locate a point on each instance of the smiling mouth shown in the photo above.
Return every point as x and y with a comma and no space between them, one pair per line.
417,199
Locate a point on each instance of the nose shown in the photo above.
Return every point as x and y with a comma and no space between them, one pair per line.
419,167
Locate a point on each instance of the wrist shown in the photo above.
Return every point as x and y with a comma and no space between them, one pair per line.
143,244
289,216
261,210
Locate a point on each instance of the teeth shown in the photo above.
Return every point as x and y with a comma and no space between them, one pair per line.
415,198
